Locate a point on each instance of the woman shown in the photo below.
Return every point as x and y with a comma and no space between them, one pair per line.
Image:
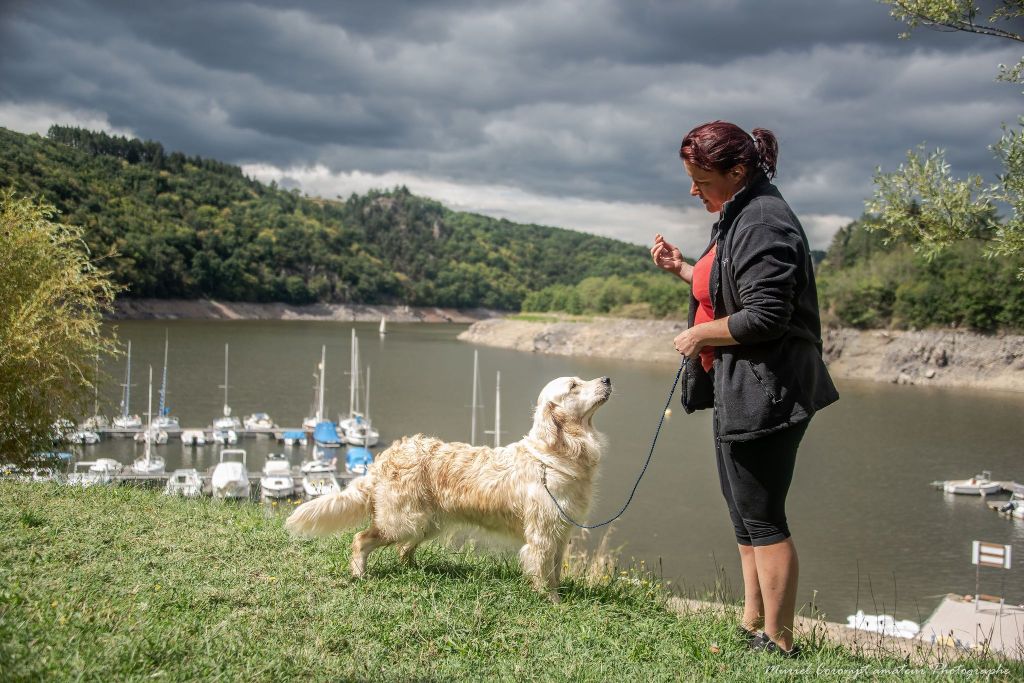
754,350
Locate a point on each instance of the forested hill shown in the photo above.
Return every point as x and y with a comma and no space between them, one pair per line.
187,227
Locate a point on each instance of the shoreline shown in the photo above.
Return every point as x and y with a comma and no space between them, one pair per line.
942,358
209,309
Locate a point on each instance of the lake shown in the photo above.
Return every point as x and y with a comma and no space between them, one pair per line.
872,534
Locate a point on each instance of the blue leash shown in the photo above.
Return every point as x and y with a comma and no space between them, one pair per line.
661,420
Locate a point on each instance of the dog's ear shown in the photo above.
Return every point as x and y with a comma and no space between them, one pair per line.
553,427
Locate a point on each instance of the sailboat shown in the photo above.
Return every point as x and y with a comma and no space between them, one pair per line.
325,433
125,420
474,407
163,419
97,421
227,423
149,463
309,423
359,431
383,325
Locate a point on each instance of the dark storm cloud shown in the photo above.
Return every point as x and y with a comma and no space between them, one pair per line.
567,98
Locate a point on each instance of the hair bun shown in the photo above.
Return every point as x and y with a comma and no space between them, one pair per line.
767,146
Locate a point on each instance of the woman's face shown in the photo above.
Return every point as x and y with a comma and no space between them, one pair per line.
714,188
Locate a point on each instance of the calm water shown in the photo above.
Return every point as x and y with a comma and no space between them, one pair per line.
860,505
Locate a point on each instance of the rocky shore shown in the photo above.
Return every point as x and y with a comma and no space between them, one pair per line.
206,309
948,358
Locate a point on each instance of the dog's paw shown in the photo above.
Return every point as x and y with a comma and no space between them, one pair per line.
554,597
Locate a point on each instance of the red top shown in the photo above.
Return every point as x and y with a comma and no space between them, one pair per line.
705,311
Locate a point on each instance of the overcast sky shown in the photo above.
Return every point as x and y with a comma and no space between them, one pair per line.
561,112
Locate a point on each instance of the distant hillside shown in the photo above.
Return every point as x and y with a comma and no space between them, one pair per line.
865,283
188,227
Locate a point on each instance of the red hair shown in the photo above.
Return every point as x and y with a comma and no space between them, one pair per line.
720,145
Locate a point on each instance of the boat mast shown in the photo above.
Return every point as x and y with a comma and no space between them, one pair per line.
352,375
126,395
497,411
96,390
163,382
227,408
320,392
357,374
476,370
149,416
367,408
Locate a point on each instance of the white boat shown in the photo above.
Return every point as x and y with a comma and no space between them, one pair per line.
227,421
884,624
230,478
277,481
84,436
193,437
316,484
150,463
152,435
1014,507
978,485
359,432
383,325
187,483
99,471
61,430
357,429
126,420
224,436
164,420
295,438
258,421
318,464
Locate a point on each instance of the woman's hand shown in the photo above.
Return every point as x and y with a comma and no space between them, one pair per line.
690,341
668,257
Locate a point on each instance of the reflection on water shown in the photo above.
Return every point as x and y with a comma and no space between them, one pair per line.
871,532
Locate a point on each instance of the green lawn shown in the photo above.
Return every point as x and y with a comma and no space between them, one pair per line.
124,584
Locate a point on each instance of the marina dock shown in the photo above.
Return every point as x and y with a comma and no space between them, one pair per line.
962,623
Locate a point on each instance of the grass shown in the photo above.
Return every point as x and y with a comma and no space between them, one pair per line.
109,584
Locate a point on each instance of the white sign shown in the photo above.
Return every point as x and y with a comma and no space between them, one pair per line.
991,555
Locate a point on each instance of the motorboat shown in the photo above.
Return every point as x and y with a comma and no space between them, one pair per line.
187,483
61,430
316,484
1015,506
84,436
326,434
99,471
126,420
322,461
150,463
258,421
978,485
294,438
193,437
224,436
357,460
230,478
277,481
152,435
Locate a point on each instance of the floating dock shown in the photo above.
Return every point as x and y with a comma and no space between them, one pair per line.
966,623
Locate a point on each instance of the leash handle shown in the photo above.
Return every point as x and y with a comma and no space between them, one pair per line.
654,441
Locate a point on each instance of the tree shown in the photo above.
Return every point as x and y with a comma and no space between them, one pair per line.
921,203
52,300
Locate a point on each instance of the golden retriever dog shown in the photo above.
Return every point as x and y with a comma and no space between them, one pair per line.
421,486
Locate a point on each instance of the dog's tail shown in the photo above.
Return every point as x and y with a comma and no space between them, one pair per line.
336,512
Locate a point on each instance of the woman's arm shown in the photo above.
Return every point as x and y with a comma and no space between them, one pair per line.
712,333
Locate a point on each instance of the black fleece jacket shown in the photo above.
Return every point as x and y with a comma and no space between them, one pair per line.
763,279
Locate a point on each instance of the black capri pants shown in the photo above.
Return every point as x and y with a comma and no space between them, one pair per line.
755,476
